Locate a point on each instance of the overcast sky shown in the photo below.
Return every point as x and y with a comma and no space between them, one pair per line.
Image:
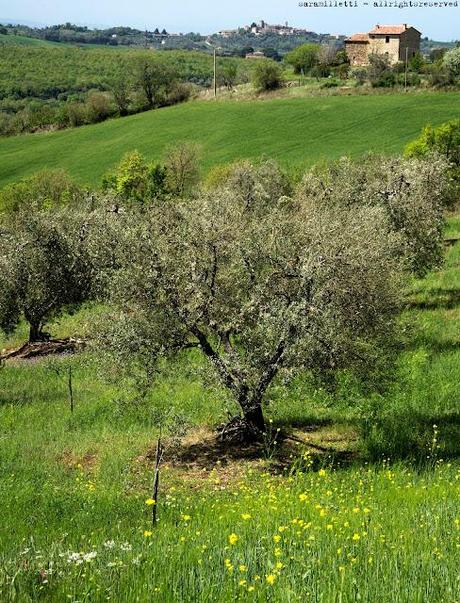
206,16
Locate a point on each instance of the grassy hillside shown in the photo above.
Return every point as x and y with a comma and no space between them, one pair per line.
53,68
296,131
10,40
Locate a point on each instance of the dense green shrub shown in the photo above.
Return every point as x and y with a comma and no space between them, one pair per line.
360,74
303,58
451,61
330,84
439,76
44,190
134,179
409,79
445,141
267,75
386,79
320,70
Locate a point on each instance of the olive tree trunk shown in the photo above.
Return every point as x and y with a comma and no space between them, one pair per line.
254,417
35,332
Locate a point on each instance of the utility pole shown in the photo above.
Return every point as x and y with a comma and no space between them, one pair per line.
215,73
405,70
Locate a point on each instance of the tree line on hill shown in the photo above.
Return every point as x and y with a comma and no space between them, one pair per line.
178,263
69,33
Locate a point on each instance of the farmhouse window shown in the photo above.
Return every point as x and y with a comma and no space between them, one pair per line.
387,39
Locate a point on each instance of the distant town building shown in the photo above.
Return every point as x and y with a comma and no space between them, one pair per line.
263,28
228,33
255,55
398,42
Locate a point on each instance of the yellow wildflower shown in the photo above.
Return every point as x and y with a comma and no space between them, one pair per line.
147,533
356,536
233,539
150,502
245,516
270,578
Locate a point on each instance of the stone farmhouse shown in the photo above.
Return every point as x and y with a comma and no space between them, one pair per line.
398,42
255,55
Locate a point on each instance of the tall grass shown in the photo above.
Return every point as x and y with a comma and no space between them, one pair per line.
387,535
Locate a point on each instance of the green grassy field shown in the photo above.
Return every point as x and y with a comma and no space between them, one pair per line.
297,131
24,41
287,525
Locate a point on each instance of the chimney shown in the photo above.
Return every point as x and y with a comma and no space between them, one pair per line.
405,25
377,26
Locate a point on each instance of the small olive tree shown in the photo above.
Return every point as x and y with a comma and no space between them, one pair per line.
48,263
260,283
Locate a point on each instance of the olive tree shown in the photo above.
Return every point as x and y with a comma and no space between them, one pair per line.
411,193
260,283
44,268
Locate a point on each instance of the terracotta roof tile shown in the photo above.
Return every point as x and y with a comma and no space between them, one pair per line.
358,37
389,29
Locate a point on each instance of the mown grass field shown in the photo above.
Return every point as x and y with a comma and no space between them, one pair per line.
23,41
288,525
296,131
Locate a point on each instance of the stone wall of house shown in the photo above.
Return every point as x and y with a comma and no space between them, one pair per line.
357,52
385,44
410,39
